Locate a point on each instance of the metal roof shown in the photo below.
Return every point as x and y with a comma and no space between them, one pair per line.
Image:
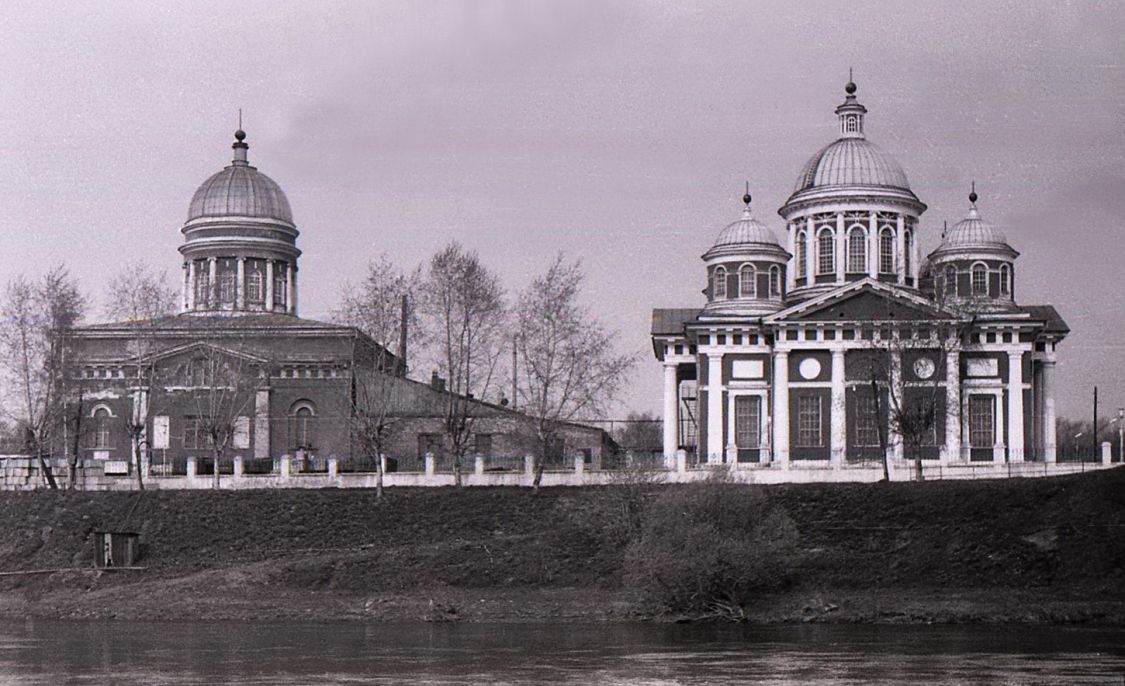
851,162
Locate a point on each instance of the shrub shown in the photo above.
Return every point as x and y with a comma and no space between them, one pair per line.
706,549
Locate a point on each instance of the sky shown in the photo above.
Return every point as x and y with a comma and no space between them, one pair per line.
619,133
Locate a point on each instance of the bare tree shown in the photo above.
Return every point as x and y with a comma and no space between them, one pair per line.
380,306
568,366
223,383
464,303
139,297
37,319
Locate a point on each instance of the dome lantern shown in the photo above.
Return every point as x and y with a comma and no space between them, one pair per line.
850,112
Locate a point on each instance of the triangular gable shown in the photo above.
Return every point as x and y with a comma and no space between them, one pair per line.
197,348
865,300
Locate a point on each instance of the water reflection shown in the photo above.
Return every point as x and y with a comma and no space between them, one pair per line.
36,652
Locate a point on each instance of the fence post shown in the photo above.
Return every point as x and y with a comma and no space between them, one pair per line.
579,465
681,460
286,466
478,464
239,469
192,468
431,466
333,466
383,463
1107,452
529,465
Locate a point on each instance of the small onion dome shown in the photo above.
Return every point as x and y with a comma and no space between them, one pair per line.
972,235
240,190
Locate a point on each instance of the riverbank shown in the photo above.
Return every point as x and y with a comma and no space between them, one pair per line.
1034,550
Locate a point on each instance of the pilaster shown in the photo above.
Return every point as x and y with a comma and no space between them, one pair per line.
838,430
715,444
1015,407
781,408
671,410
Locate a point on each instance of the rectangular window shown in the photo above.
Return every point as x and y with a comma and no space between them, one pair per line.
254,287
160,432
482,444
982,421
191,433
429,443
809,422
241,438
279,290
748,421
866,422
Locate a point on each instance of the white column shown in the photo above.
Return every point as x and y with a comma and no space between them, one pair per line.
895,442
269,285
838,427
900,249
917,252
190,294
1049,438
873,245
213,283
952,407
289,290
262,423
294,292
810,252
781,408
671,411
791,246
1015,407
841,248
715,446
1001,420
240,285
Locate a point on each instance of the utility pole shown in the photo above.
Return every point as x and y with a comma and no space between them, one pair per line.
515,375
1121,434
1095,422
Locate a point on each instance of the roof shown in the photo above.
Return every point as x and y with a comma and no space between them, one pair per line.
670,322
1053,322
748,232
973,233
188,322
851,162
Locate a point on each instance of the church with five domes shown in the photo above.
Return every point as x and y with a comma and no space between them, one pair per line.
841,344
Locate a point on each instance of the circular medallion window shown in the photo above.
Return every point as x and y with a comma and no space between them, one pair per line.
809,368
924,367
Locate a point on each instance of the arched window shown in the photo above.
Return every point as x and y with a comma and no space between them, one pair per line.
101,429
202,289
908,251
719,284
775,281
980,279
254,287
226,287
950,280
279,290
302,419
886,251
826,252
857,250
747,285
1005,280
802,256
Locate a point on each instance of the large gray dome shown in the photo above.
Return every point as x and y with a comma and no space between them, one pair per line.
851,162
240,190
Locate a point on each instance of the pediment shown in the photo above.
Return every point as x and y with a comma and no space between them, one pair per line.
867,300
182,354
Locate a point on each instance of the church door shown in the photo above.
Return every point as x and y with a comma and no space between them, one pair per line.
748,427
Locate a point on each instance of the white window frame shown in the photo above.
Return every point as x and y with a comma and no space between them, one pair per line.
857,250
719,283
745,270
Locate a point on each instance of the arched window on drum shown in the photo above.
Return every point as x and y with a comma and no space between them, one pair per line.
887,251
747,287
857,250
719,284
825,252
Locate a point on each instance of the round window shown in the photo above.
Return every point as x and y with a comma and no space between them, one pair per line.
924,367
809,368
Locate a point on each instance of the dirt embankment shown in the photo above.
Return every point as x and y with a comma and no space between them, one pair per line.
1018,550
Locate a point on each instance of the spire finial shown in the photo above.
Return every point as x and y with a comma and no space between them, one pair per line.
746,198
240,145
850,88
973,193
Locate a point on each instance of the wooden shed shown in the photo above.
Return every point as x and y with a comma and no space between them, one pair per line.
116,548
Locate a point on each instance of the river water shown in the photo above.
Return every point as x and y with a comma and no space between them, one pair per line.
41,652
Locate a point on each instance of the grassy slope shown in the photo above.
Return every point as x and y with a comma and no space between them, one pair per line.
1020,549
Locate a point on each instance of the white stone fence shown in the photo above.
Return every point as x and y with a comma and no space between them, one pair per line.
18,472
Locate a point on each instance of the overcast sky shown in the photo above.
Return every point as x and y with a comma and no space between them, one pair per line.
621,133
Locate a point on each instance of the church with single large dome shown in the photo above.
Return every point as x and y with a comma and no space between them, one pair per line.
842,345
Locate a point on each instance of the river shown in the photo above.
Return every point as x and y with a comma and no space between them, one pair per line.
49,652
